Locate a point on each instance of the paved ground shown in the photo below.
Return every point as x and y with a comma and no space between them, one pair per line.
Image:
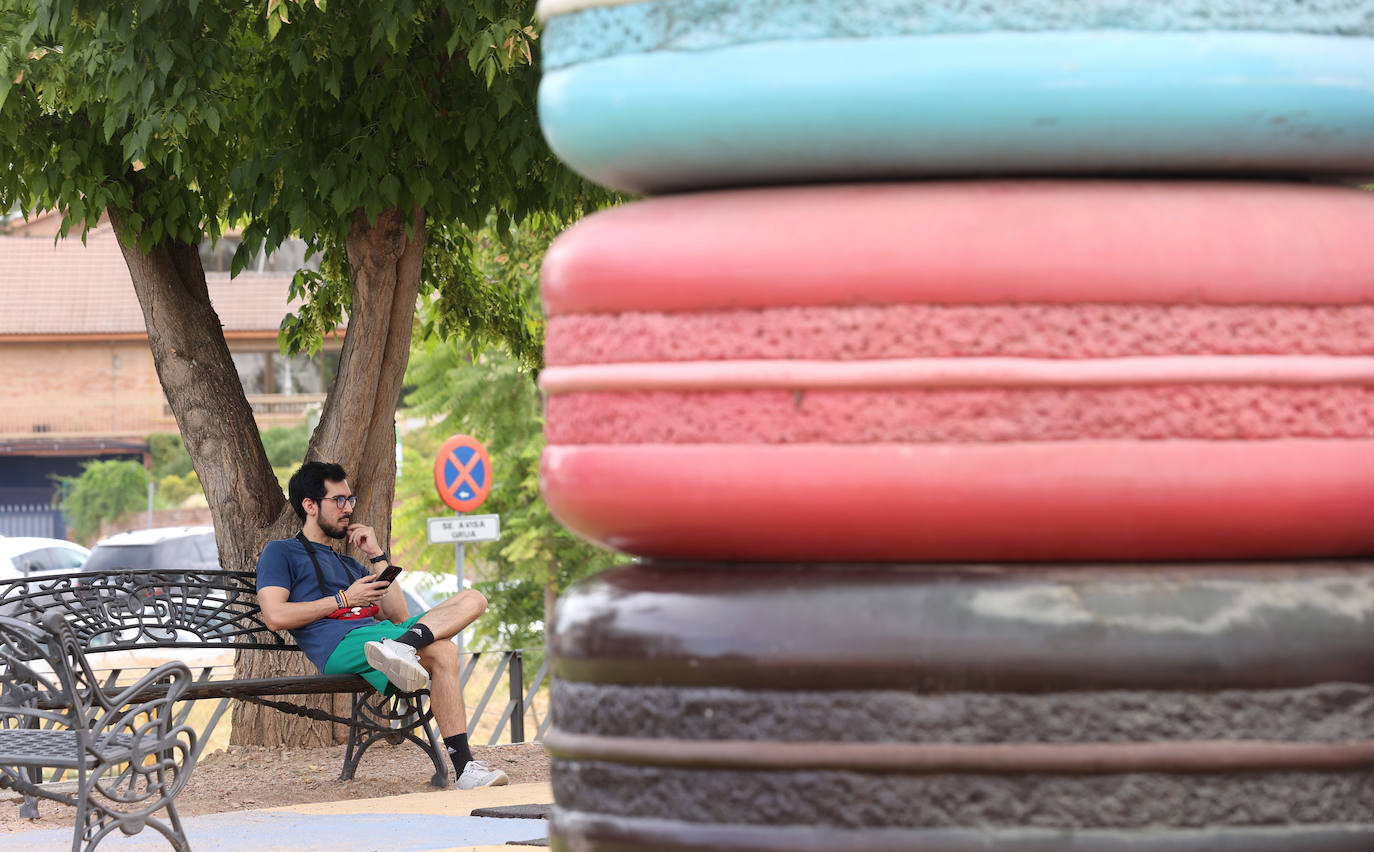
420,822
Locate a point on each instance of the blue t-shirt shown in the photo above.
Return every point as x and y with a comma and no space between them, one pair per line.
285,563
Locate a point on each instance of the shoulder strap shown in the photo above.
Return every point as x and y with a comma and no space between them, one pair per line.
319,574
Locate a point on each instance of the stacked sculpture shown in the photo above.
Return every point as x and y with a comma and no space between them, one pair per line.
997,504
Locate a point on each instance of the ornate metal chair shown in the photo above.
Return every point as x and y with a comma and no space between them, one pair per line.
128,758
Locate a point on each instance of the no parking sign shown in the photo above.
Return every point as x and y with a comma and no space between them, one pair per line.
462,473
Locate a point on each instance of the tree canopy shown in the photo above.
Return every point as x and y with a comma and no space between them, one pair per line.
287,117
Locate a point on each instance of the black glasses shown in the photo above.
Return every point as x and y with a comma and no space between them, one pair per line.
342,502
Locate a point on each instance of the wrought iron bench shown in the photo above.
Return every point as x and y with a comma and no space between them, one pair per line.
129,757
214,609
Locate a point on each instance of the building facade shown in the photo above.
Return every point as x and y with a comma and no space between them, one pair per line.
77,371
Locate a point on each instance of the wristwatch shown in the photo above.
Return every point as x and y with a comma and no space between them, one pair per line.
381,557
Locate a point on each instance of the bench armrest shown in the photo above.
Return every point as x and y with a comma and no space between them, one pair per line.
83,685
138,758
34,685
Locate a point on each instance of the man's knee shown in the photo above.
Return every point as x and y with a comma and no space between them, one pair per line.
439,654
472,598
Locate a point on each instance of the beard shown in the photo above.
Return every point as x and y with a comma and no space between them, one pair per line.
338,530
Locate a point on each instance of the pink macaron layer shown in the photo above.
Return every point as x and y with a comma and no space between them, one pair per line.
1191,412
969,243
1038,502
919,331
973,371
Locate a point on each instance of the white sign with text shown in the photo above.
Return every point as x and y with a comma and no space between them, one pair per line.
463,529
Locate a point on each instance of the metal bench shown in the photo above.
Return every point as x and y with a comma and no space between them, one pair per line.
157,609
129,757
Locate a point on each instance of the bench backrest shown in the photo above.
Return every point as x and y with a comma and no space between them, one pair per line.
147,608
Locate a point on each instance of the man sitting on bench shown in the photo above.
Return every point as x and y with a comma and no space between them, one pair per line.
349,622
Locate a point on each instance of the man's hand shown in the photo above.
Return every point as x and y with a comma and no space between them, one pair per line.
366,591
364,538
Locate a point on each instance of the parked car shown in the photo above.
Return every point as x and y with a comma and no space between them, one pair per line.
169,549
163,548
424,590
26,558
21,556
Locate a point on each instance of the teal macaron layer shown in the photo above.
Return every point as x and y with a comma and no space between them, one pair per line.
997,103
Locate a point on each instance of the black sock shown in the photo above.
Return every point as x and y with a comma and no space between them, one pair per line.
458,751
417,637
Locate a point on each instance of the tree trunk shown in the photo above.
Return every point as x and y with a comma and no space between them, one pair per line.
357,427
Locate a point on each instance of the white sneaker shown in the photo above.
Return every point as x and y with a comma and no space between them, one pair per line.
476,774
400,663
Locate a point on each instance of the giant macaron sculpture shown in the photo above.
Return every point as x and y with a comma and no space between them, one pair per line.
981,509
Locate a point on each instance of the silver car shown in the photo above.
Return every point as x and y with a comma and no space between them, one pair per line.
21,556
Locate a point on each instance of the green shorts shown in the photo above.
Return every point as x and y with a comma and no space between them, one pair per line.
348,655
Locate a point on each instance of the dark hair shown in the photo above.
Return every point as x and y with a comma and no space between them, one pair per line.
307,483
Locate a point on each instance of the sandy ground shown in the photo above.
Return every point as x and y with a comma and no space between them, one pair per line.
249,778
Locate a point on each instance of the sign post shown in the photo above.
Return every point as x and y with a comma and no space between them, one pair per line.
462,476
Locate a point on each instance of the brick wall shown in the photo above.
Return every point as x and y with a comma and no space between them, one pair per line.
104,387
107,388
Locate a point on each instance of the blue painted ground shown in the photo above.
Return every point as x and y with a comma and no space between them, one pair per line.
251,831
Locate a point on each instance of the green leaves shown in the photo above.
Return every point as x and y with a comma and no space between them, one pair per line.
498,48
105,491
390,189
372,106
485,289
128,107
163,57
276,16
495,400
296,59
327,295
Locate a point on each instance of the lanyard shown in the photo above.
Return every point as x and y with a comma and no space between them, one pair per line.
319,574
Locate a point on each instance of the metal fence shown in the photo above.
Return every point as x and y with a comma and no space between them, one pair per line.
32,520
520,699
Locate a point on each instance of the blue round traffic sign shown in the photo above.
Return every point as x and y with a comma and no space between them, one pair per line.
462,473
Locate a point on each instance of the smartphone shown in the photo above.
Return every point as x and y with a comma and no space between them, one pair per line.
389,574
